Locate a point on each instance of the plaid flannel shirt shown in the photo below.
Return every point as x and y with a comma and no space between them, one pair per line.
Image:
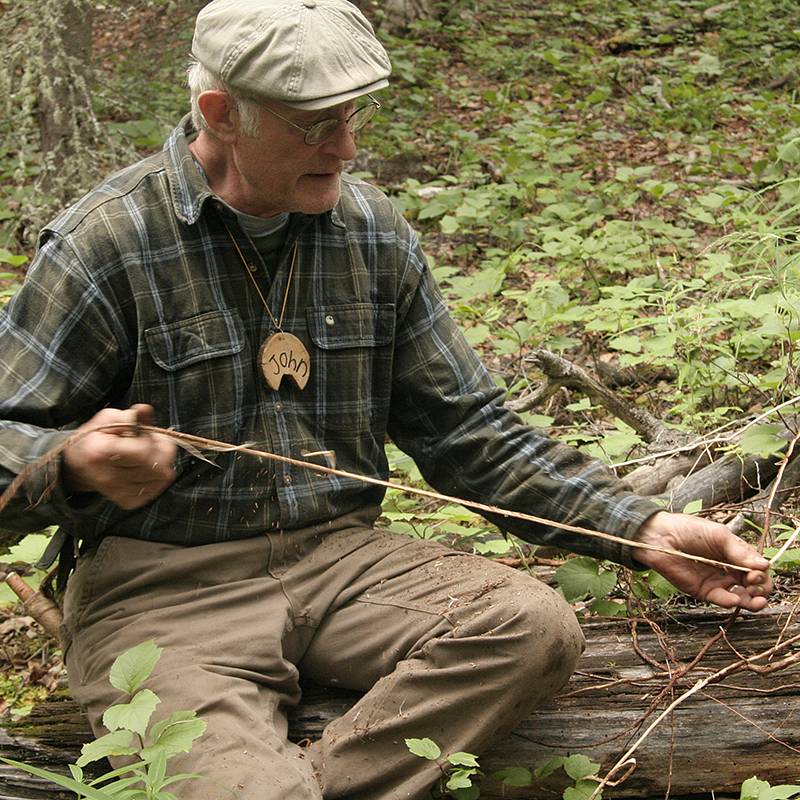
136,294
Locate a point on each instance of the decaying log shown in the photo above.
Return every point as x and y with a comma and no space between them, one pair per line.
750,725
652,478
770,498
727,480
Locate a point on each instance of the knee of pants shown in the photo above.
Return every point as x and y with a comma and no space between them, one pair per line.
541,634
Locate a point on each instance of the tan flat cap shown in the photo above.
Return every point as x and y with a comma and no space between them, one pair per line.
309,54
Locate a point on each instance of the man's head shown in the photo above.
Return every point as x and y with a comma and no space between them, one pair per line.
265,71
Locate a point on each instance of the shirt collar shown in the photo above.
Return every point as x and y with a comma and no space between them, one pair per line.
188,188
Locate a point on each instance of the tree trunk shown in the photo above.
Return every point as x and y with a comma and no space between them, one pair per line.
716,740
62,39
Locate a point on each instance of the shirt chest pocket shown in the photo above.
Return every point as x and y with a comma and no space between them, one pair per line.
351,363
198,371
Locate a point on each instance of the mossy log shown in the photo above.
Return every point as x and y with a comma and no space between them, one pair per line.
717,739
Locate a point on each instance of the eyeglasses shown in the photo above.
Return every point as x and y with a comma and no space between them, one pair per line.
323,130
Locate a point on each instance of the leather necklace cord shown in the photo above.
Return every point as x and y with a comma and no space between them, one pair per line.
278,323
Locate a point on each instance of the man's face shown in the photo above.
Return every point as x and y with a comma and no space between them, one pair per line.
279,172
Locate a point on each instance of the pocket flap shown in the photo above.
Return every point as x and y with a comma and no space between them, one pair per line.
351,325
175,345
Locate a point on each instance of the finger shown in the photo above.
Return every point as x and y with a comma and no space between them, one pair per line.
736,596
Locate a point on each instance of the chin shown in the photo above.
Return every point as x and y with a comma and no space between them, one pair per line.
320,198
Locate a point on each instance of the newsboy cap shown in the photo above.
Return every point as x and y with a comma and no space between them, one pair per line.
309,54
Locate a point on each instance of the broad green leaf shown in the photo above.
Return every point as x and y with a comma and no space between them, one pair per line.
133,716
174,735
693,507
581,576
496,547
463,759
762,440
782,792
424,748
753,789
549,767
460,779
608,608
581,791
7,257
116,743
578,766
627,343
449,224
660,586
514,776
134,666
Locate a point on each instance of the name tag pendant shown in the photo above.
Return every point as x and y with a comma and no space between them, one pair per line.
284,354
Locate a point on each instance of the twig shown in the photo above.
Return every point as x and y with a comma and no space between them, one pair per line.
185,439
786,545
775,483
751,722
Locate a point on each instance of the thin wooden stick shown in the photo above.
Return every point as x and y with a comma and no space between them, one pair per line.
775,484
190,441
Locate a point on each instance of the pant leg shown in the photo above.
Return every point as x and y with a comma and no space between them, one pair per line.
449,646
221,620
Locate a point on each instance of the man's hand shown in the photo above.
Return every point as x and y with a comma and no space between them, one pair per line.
726,588
129,469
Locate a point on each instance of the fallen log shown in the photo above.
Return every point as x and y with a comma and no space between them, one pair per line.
745,726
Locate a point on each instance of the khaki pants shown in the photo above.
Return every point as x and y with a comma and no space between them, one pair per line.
445,645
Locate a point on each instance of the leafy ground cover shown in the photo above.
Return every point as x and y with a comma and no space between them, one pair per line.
610,180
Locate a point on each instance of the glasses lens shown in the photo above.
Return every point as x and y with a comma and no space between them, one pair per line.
323,130
361,116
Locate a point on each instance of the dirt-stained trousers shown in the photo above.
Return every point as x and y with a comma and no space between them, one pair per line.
446,645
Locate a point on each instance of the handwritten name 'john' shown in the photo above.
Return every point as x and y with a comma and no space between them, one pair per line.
284,354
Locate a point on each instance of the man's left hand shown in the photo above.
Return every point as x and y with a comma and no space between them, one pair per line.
700,537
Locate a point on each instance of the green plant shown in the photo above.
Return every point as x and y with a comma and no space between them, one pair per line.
755,789
130,735
459,770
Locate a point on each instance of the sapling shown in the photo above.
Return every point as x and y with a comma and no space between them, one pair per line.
130,734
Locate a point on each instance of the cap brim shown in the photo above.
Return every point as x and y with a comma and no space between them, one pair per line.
336,99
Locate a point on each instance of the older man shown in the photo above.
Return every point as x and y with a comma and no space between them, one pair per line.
239,286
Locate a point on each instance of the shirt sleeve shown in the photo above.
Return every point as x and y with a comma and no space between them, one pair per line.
59,354
448,415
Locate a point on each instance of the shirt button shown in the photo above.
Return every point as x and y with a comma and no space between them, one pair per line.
252,267
287,479
329,320
279,406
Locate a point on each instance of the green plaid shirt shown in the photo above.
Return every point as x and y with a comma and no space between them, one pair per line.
136,294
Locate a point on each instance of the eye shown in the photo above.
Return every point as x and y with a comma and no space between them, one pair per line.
323,130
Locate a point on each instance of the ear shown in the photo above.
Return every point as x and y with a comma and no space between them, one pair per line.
219,113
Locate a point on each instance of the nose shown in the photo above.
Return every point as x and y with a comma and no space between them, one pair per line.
342,144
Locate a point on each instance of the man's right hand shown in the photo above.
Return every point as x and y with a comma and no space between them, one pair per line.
124,466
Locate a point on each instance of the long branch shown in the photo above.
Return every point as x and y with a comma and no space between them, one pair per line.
198,442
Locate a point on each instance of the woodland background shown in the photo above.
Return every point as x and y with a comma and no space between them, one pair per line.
607,192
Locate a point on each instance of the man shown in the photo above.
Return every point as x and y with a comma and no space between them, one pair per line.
239,286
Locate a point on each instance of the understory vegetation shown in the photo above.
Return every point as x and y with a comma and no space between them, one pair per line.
613,182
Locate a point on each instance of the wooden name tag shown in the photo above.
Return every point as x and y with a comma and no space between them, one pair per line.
284,354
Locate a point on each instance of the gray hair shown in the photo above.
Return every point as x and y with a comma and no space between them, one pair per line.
201,79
